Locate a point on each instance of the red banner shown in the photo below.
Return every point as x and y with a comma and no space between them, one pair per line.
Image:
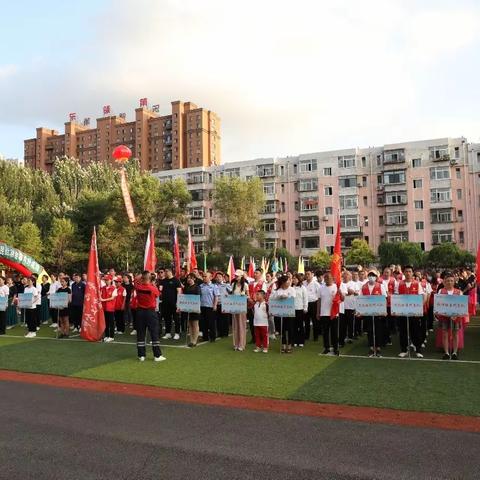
150,259
93,319
126,196
336,269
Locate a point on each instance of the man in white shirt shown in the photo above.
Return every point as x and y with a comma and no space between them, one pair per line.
349,290
313,292
329,326
357,322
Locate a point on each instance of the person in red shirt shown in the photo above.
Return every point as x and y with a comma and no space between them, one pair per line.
147,295
108,296
120,305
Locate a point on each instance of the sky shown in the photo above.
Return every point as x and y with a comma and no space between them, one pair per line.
285,77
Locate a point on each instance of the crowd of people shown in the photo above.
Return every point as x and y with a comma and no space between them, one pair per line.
134,303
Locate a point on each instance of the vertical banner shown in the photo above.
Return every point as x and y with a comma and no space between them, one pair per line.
126,196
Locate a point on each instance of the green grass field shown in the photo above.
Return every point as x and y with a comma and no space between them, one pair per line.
353,379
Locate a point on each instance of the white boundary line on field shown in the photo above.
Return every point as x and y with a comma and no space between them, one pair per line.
439,360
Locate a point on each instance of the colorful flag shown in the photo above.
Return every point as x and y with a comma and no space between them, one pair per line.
93,319
274,265
336,270
280,264
191,259
286,264
242,264
176,253
251,268
150,257
231,268
301,265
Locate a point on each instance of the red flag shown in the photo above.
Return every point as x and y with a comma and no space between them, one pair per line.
477,270
93,319
251,268
176,253
192,259
336,270
150,258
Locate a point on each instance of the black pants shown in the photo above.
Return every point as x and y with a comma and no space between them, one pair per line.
54,315
378,322
350,320
250,314
299,327
128,317
223,322
430,318
76,315
330,332
310,318
146,318
342,329
134,318
423,328
110,324
120,320
31,319
38,314
3,322
169,313
414,324
287,330
208,321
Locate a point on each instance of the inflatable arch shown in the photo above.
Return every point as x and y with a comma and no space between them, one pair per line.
17,260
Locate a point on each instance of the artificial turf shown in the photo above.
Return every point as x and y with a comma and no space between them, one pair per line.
444,387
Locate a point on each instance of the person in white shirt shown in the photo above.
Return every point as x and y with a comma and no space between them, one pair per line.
349,290
260,322
390,284
313,293
4,292
54,286
31,310
329,325
283,291
301,308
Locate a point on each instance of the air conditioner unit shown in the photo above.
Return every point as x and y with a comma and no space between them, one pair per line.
359,185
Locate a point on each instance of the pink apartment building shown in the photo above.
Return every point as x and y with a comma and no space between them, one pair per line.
425,191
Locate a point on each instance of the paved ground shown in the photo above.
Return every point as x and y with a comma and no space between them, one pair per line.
54,433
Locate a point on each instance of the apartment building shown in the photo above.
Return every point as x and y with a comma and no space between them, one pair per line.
423,191
187,137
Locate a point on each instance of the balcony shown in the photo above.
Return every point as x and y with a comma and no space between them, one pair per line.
168,124
445,157
393,156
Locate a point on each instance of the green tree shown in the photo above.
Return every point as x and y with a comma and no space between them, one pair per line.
448,255
321,260
6,235
28,240
238,204
401,253
360,253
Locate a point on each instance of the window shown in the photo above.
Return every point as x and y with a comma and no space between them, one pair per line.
310,242
417,183
397,218
440,195
442,236
379,160
270,206
349,221
461,237
457,152
365,221
419,204
328,210
364,162
396,198
329,230
416,163
307,166
380,199
365,201
397,237
459,193
308,185
328,191
364,181
265,170
460,215
308,204
269,245
197,212
283,225
309,223
419,225
232,172
269,188
346,161
381,220
193,178
269,226
327,172
458,174
347,182
348,201
439,173
197,195
439,153
198,229
441,216
391,178
394,156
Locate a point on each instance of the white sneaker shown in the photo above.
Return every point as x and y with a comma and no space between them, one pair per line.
75,330
295,344
45,322
200,334
142,359
272,336
30,335
167,336
331,354
108,339
161,358
419,355
265,350
38,328
176,336
120,333
300,345
240,349
256,350
133,332
402,354
54,325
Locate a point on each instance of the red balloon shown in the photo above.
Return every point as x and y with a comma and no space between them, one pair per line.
121,153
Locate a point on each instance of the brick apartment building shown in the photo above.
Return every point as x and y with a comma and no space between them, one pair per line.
188,137
424,191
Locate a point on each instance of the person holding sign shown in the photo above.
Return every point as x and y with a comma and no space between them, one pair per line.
63,318
239,320
411,332
449,324
374,324
284,290
4,293
31,310
190,320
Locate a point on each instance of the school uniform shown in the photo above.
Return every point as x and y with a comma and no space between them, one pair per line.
146,296
374,325
329,325
253,288
208,296
313,292
119,309
76,306
390,329
260,321
301,309
30,311
109,310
